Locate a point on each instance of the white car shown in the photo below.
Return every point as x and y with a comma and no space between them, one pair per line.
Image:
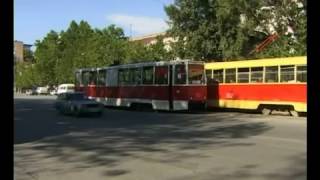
31,92
53,92
64,88
42,90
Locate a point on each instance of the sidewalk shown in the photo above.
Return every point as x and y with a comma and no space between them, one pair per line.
24,96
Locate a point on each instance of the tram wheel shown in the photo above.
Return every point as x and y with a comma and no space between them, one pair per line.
266,111
294,113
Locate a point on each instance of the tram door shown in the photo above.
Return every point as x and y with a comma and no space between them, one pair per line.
170,87
99,84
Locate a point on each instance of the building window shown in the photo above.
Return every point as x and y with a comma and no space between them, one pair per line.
301,73
257,74
230,75
271,74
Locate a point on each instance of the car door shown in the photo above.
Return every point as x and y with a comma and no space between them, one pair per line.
58,104
63,103
67,103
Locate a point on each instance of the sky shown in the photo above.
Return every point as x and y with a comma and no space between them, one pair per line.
33,19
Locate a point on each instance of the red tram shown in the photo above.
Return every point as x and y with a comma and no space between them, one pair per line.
171,85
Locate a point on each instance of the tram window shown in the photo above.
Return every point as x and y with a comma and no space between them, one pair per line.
301,73
124,76
120,76
243,75
230,75
271,74
180,74
93,78
131,76
209,74
256,74
286,73
196,74
148,75
218,75
101,77
85,78
78,78
135,76
161,75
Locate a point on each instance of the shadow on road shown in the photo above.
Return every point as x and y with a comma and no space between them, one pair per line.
297,170
118,135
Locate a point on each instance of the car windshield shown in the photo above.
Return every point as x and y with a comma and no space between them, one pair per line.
70,88
77,96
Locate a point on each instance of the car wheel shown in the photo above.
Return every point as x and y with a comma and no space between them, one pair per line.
266,111
294,113
76,111
72,110
60,111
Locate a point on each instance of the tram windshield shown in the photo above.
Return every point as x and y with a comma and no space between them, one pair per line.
180,74
78,79
196,74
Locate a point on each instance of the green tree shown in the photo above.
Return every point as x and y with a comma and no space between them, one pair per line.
74,51
25,75
58,55
46,55
208,30
229,29
137,52
112,45
159,51
288,20
28,56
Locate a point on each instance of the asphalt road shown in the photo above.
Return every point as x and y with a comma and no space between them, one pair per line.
129,145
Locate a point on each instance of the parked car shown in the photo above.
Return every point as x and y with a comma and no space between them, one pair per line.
42,90
31,92
53,92
76,103
63,88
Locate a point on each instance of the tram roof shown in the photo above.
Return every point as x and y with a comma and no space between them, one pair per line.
299,60
141,64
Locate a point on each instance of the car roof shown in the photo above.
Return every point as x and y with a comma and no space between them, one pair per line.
66,85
